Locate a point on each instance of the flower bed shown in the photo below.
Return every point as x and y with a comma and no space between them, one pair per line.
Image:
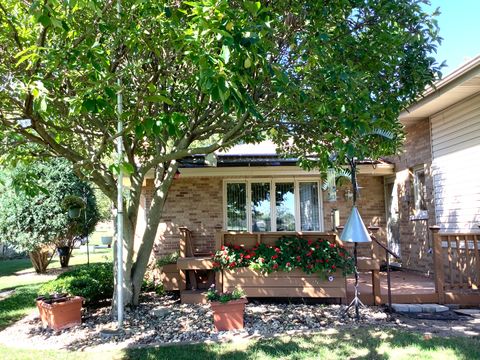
311,256
293,267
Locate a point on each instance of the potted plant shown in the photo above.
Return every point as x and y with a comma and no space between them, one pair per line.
74,205
60,311
107,240
228,308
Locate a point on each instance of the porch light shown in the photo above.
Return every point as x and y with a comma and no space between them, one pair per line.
355,232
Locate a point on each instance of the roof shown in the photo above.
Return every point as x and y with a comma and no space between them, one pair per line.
459,85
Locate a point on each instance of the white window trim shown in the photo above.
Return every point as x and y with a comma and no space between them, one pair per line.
273,214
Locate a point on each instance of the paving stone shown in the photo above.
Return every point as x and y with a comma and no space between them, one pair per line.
160,311
434,308
400,307
413,308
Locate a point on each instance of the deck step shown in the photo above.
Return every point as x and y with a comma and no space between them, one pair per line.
195,263
193,296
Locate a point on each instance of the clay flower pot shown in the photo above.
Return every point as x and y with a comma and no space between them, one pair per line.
61,313
229,315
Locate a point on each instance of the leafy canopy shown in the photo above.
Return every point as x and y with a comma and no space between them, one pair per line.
29,222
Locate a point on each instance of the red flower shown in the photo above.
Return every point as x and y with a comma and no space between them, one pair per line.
334,267
318,260
288,264
274,257
310,242
236,247
332,245
227,258
252,253
277,250
275,266
310,266
215,264
309,253
222,248
317,247
232,264
247,256
326,260
341,254
261,260
298,258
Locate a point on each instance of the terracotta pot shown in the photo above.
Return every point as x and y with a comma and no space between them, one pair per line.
228,316
61,315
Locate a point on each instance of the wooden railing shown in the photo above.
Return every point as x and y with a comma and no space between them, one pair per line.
456,262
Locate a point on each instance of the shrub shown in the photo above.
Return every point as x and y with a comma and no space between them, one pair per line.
168,259
214,295
93,282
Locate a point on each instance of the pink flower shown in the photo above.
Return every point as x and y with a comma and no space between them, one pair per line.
275,266
277,250
274,257
332,245
261,260
288,264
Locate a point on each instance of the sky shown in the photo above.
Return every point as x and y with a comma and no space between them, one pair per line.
459,24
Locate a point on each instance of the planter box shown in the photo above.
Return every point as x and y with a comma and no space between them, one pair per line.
170,277
284,284
61,315
228,316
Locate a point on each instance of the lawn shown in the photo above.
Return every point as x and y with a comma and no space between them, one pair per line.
19,275
351,344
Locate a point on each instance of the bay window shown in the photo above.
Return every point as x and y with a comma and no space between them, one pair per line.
272,205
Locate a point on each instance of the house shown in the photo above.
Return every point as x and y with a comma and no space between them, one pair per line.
251,190
436,179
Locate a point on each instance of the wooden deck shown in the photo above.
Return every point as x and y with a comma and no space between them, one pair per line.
456,265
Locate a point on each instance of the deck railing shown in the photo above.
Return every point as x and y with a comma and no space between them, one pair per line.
456,261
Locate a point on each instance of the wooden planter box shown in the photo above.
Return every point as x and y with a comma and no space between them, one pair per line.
170,277
284,284
61,315
228,316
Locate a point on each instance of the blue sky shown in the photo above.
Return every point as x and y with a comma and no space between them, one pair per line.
460,29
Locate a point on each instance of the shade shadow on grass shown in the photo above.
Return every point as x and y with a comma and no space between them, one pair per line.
353,344
17,305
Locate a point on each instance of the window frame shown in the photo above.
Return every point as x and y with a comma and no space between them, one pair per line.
273,207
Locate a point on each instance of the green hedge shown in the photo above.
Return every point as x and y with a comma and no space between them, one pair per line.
93,282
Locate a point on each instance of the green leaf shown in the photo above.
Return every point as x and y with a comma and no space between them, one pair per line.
127,168
225,54
159,98
44,20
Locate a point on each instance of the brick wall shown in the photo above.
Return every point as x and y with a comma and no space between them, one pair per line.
197,203
415,238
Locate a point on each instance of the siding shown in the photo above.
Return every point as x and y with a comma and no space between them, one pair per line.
456,166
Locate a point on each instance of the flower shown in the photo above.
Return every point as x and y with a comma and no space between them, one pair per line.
287,264
298,258
309,242
332,245
310,253
334,267
261,260
330,278
277,250
274,257
275,266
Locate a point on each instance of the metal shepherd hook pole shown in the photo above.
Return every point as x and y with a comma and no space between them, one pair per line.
119,196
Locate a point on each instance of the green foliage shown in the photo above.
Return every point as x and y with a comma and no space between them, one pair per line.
150,285
93,282
30,220
72,201
214,295
320,256
168,259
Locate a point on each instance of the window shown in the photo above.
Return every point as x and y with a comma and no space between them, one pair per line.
265,205
419,191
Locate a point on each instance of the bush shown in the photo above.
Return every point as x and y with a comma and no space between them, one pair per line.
93,282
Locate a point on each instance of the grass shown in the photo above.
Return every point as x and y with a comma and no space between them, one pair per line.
19,275
352,344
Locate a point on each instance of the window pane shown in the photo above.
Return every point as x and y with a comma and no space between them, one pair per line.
236,207
285,205
420,190
309,213
260,198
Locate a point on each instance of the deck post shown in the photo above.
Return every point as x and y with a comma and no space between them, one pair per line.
218,245
182,254
376,287
438,264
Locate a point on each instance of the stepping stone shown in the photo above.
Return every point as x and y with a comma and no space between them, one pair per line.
469,312
419,308
434,308
160,311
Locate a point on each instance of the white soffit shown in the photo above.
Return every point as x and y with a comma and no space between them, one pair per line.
272,171
457,86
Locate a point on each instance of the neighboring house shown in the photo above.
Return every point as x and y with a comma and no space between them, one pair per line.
437,179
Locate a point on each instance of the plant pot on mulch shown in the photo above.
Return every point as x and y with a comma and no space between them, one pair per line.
60,312
229,315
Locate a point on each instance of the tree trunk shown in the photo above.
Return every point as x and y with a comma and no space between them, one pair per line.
40,259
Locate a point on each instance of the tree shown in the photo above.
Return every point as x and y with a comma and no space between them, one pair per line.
199,76
33,220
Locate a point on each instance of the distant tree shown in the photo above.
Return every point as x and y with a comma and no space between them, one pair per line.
34,220
198,76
